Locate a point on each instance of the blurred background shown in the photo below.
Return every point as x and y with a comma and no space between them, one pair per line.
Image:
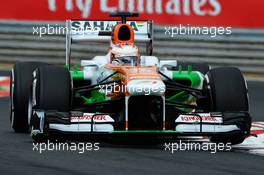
243,48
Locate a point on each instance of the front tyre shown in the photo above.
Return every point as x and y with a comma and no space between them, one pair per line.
229,93
21,77
51,90
228,90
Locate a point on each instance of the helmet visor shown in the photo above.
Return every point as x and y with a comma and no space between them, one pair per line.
128,60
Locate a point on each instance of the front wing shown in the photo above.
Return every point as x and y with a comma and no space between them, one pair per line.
192,124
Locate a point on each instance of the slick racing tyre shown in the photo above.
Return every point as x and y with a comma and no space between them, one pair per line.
228,91
51,91
20,83
52,88
200,67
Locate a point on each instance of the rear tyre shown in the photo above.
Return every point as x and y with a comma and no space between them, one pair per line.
20,83
228,91
51,90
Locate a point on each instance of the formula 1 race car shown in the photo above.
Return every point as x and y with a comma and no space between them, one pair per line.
124,93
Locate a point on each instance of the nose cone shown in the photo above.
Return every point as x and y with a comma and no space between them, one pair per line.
146,87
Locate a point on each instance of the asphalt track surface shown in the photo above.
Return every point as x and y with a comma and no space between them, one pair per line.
17,156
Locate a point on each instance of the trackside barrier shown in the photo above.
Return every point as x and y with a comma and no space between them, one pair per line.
244,48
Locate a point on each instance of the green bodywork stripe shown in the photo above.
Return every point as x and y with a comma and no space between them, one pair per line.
193,77
96,96
77,75
182,96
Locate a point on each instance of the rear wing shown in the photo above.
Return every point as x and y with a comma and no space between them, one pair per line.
89,31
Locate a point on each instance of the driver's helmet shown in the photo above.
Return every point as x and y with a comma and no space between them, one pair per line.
125,53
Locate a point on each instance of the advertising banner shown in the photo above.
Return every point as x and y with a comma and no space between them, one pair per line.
235,13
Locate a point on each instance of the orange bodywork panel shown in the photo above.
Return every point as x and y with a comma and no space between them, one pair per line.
129,73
